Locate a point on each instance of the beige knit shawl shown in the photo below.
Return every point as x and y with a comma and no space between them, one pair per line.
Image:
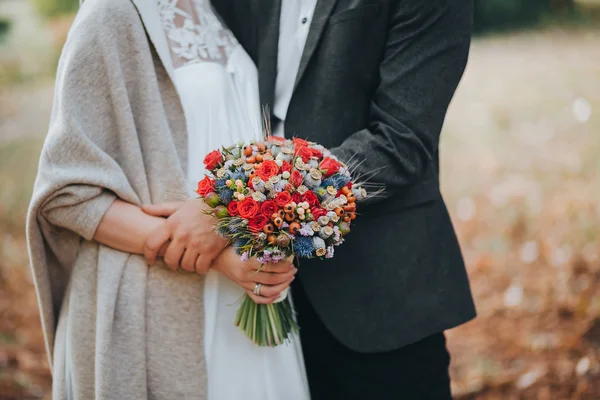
115,328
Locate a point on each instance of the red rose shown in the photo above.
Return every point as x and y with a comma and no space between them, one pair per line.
256,224
248,208
316,153
233,208
205,186
267,169
304,153
318,212
286,166
282,199
296,178
296,197
213,159
311,198
299,142
329,166
268,208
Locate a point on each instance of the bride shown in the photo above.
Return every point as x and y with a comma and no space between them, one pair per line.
145,89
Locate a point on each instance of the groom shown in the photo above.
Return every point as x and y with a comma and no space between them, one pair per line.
371,80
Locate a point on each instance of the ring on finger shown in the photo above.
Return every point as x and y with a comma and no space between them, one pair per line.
256,290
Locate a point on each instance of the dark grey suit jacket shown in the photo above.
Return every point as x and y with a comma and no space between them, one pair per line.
374,84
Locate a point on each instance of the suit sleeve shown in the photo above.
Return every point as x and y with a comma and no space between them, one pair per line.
424,59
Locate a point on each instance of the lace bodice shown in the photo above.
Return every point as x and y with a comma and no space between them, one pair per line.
194,32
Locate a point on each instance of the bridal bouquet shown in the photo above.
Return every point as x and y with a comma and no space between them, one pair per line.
276,199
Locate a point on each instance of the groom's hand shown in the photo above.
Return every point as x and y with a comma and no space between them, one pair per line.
188,237
273,277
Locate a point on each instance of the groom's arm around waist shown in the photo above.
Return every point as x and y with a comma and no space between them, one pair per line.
424,58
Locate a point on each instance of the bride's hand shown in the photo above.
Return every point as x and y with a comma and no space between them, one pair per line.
274,277
187,238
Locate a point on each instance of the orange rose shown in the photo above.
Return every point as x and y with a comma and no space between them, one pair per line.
213,160
256,224
299,142
283,198
296,178
304,152
248,208
205,186
267,169
329,166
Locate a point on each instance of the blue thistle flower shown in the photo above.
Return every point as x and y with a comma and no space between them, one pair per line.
338,181
225,195
239,244
327,182
220,183
223,231
303,246
239,175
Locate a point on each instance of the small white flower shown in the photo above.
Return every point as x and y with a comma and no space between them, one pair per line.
324,220
285,174
302,189
326,232
274,179
257,196
316,174
299,164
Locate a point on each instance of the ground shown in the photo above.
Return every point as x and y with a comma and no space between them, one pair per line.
520,176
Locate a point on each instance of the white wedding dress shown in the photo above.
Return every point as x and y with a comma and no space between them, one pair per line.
218,86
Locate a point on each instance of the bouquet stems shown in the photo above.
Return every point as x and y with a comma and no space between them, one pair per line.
266,324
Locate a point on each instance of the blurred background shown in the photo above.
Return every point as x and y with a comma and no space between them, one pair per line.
521,158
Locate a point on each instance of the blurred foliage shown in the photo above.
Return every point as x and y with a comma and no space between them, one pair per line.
18,164
53,8
4,28
511,14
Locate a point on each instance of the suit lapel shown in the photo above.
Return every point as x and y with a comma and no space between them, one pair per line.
270,11
322,12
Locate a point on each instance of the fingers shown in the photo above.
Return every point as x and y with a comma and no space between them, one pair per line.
268,278
261,299
174,254
202,265
153,245
275,268
163,249
278,268
162,209
275,290
188,262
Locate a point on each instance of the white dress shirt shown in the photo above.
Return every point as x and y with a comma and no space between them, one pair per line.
294,24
